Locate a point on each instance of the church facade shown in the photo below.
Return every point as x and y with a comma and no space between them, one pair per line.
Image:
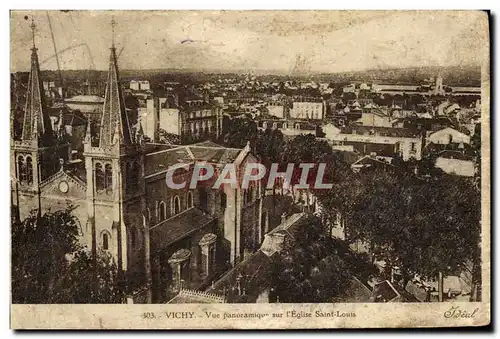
161,239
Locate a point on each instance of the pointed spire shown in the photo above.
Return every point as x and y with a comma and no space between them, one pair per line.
35,100
88,135
33,30
114,122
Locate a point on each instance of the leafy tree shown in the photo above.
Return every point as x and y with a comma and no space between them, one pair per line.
240,132
314,267
423,226
270,145
49,266
348,96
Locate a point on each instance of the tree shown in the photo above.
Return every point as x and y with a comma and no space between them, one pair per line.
315,267
240,131
423,226
49,266
270,145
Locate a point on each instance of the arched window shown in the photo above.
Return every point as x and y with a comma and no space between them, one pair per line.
275,125
285,126
29,170
99,177
203,127
162,211
177,205
264,125
189,199
297,126
105,241
21,169
108,177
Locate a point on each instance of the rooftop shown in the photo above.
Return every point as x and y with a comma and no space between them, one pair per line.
86,98
178,227
208,151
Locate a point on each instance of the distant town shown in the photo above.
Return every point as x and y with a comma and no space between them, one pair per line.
90,150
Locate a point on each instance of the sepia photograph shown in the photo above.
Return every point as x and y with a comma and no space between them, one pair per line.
286,169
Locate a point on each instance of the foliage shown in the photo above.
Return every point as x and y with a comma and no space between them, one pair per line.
49,266
312,269
240,132
424,226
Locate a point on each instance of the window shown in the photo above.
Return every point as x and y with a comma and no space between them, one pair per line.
108,178
29,170
105,241
162,211
189,199
21,169
177,205
413,147
99,177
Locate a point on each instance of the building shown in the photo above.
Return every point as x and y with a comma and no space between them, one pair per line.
89,105
276,109
134,85
191,119
160,238
139,85
447,136
307,108
455,158
381,142
372,116
438,86
144,85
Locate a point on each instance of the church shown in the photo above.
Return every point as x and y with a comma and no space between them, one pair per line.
162,239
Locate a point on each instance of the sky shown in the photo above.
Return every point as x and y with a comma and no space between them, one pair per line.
328,41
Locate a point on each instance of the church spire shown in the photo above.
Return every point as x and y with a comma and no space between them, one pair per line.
36,121
115,127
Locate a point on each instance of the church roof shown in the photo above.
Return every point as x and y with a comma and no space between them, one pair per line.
86,99
178,227
206,151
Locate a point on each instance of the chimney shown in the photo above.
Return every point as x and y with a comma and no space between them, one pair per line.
283,217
